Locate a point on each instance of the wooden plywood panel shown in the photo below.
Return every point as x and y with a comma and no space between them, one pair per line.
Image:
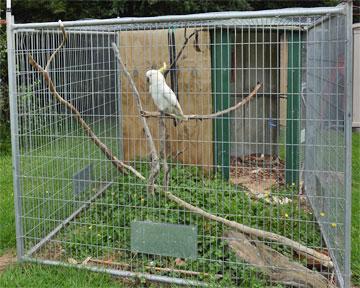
190,142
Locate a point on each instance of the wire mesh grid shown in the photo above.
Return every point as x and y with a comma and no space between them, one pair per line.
276,164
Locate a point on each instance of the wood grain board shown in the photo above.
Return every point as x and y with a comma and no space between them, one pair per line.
190,142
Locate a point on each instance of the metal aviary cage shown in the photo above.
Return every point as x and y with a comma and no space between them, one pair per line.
251,188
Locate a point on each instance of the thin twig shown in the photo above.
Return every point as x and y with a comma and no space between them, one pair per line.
173,64
206,116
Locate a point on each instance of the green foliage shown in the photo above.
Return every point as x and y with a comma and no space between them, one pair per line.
4,102
355,233
260,5
44,10
34,276
7,223
211,194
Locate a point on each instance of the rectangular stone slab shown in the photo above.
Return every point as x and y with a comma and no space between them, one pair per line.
164,239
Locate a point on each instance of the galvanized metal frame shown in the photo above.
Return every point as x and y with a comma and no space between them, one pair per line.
344,272
12,28
194,17
348,141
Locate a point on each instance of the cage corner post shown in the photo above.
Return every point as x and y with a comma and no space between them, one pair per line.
348,141
221,48
293,108
14,130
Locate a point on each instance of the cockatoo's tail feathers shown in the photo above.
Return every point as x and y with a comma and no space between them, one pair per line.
163,69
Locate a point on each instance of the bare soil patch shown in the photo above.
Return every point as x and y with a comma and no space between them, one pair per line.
6,259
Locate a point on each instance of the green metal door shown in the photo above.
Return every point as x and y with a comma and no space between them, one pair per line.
221,51
293,109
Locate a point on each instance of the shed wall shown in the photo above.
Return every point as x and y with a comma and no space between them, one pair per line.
191,142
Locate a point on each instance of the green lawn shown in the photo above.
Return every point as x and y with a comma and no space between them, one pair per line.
35,276
7,226
31,275
356,209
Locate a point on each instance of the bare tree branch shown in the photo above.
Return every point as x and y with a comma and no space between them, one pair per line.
155,165
206,116
108,153
60,46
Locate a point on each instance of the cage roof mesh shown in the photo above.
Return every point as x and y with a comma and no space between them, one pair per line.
263,22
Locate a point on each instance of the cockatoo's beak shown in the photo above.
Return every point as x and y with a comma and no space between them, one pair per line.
163,69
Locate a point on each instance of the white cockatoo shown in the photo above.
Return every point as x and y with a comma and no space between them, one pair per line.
164,98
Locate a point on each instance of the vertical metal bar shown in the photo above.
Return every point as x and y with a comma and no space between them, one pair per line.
14,129
348,143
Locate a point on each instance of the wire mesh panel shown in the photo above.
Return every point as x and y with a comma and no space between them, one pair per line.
60,168
325,106
250,189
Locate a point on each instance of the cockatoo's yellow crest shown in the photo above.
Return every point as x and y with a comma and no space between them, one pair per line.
163,69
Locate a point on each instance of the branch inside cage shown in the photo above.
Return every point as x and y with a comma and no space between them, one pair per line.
120,165
278,239
206,116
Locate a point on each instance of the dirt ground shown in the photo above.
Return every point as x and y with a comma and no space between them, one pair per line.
259,174
6,260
